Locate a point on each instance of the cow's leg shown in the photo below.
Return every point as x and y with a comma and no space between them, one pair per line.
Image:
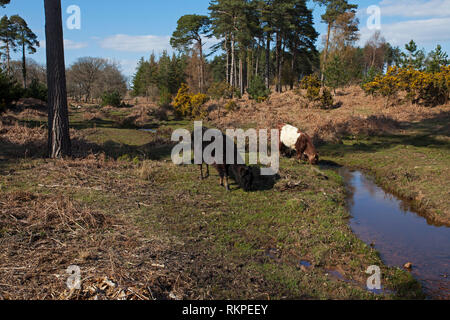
299,155
227,185
227,173
207,171
280,145
202,177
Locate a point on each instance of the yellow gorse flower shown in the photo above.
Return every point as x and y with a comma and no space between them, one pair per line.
431,89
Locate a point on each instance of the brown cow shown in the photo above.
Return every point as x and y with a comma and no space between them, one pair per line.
293,139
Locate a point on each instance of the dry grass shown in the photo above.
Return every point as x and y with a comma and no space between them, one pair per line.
24,142
55,224
358,114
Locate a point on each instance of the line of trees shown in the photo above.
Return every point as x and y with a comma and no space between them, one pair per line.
272,39
160,78
269,41
90,78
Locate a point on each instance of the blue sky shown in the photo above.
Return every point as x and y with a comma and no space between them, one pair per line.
126,31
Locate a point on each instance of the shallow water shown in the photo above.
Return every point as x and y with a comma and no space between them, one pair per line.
148,130
399,234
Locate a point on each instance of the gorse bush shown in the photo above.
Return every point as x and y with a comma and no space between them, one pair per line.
257,89
231,105
197,103
112,99
312,86
315,94
326,100
190,105
429,89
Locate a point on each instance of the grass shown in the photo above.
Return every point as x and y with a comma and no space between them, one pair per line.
215,244
237,245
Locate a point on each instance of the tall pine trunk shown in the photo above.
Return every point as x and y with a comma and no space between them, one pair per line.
278,62
325,58
233,62
241,74
8,59
249,66
267,75
24,65
202,67
292,76
58,118
227,50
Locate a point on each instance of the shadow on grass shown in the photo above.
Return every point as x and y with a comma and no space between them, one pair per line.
37,148
261,182
148,151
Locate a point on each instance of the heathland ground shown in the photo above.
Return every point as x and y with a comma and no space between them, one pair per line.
140,227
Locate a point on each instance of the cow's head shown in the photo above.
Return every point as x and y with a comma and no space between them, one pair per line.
305,145
313,158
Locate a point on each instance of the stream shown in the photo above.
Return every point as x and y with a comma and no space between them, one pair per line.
399,234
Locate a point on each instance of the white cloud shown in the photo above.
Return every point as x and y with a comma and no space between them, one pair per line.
73,45
68,45
415,8
425,31
128,43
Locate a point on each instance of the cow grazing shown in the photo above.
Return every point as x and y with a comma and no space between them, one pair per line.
242,174
293,139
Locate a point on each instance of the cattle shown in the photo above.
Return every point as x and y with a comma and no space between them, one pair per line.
242,174
293,139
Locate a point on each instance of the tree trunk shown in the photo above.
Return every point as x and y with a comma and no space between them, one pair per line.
202,67
249,66
228,60
58,118
241,74
258,51
292,77
278,62
233,62
325,58
8,59
267,76
24,66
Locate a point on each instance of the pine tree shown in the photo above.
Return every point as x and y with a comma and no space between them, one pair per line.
436,59
3,3
228,19
336,73
27,40
393,55
335,8
192,28
301,38
414,57
8,38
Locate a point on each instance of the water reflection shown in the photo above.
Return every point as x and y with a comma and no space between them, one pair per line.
399,234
